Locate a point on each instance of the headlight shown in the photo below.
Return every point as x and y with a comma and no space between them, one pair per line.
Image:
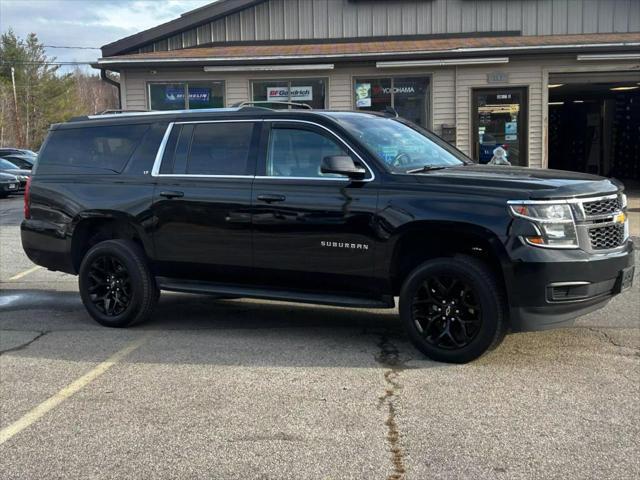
553,222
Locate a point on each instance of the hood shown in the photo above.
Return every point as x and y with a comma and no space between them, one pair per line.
17,171
533,183
7,177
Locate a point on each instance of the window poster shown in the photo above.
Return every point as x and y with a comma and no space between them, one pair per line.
363,95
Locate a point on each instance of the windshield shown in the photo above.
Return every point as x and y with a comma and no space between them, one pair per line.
402,147
7,165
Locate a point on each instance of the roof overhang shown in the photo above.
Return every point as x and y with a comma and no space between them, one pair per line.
619,46
118,63
269,68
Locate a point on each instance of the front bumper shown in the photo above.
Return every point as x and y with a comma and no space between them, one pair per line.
6,187
550,288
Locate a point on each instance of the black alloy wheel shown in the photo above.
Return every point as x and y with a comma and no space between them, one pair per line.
109,285
453,308
116,284
446,311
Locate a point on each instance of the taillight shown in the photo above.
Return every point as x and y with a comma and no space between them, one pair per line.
27,199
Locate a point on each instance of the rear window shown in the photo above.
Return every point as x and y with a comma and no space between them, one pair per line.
105,148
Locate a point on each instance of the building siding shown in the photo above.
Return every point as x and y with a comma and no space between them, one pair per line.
326,19
451,90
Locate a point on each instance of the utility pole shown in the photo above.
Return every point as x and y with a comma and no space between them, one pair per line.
2,99
27,116
15,101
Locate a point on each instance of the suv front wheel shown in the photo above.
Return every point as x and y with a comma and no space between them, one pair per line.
453,309
116,286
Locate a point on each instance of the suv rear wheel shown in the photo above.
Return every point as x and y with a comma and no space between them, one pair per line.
116,286
453,309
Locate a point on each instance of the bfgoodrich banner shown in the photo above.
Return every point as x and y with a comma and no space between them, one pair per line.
281,94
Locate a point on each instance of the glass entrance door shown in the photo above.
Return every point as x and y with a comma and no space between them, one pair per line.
500,116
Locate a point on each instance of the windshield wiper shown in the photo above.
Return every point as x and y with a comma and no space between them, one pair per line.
426,168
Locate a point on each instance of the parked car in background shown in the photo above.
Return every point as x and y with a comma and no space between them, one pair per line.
7,167
22,161
19,151
8,184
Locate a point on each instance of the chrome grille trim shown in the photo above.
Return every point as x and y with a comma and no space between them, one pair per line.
607,237
606,206
596,227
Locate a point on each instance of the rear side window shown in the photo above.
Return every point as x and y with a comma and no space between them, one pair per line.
217,148
105,148
220,148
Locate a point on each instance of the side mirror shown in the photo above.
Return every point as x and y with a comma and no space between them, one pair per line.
342,165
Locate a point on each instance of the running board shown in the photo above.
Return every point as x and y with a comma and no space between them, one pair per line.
207,288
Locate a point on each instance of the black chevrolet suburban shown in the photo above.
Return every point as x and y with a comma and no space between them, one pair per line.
336,208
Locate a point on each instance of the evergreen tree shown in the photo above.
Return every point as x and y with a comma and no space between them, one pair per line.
43,94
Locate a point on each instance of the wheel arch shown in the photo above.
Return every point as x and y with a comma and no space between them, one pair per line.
90,228
420,241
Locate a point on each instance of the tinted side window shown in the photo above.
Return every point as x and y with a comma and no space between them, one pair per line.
221,149
106,148
298,153
182,149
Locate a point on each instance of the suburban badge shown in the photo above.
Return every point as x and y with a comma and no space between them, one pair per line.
351,246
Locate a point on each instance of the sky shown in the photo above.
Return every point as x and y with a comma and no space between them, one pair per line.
87,23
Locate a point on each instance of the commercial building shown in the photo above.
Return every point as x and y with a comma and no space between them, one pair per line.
554,81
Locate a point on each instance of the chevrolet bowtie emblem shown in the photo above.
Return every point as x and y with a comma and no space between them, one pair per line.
620,218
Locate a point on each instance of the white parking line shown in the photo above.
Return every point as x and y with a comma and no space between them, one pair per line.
25,273
38,412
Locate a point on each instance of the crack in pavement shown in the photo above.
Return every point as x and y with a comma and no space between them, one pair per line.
389,356
610,340
26,344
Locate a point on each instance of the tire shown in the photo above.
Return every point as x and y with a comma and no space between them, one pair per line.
454,322
4,195
116,286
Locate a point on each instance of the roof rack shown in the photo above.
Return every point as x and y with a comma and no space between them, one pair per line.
113,111
126,113
268,102
390,112
237,107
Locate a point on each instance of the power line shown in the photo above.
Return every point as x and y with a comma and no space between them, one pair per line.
4,62
74,48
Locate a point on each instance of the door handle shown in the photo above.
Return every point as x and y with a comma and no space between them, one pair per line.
172,194
271,198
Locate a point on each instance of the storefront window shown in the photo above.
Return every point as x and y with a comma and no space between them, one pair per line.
166,96
206,94
310,91
186,95
410,98
406,95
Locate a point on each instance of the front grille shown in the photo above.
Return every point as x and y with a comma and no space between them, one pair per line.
603,238
605,206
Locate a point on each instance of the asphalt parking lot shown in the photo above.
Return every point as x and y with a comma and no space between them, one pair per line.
238,389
